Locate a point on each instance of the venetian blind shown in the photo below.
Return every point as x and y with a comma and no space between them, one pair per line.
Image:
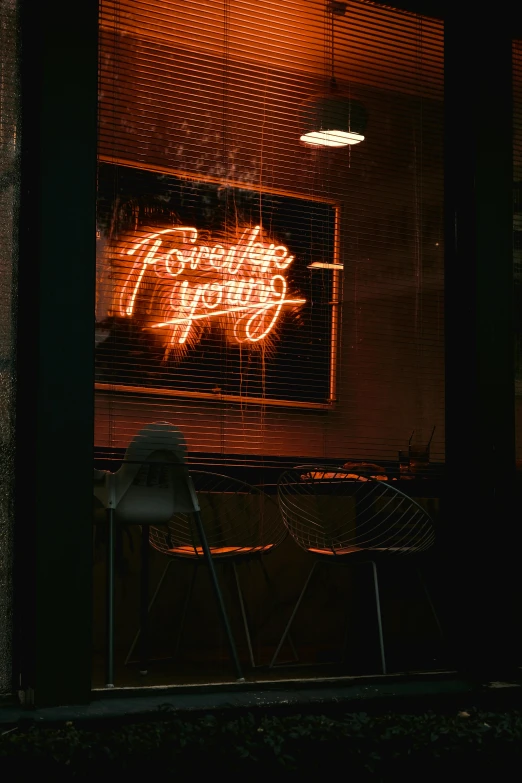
277,300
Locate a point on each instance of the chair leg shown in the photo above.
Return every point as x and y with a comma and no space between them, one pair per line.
346,638
292,616
270,585
135,640
144,600
185,610
218,595
431,605
243,615
109,675
379,618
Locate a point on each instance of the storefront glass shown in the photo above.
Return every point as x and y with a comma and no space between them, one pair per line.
270,282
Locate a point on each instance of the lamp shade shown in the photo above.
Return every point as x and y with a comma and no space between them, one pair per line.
332,121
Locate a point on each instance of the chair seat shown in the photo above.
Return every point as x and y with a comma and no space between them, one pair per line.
191,551
318,475
341,551
360,550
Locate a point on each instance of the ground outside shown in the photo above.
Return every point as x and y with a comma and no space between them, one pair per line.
377,728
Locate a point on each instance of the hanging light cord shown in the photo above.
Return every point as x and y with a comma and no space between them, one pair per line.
333,82
334,8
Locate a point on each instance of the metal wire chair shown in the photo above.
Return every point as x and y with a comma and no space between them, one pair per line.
241,522
344,518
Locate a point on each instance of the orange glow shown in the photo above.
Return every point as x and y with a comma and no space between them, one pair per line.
187,550
217,394
321,475
237,283
340,551
267,306
135,283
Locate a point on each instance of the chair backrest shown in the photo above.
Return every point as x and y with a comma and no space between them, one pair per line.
153,482
238,518
328,510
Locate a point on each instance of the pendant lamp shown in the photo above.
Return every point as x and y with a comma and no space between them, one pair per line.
332,119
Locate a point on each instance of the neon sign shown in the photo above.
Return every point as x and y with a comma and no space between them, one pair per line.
215,291
191,282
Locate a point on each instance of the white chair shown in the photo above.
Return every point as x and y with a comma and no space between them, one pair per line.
151,486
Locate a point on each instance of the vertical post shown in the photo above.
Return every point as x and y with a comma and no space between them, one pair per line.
480,541
55,352
109,619
9,201
144,600
379,617
218,595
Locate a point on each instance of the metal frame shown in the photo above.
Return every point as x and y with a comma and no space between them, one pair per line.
52,545
318,563
144,605
339,563
55,353
140,634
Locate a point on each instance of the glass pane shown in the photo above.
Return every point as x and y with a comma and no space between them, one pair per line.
270,282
